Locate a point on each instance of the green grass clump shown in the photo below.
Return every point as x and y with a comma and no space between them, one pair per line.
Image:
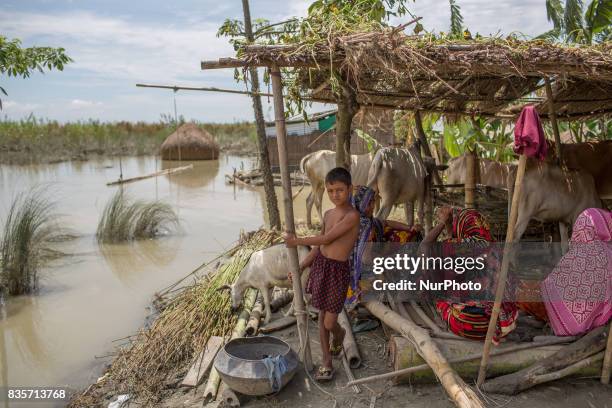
25,245
124,220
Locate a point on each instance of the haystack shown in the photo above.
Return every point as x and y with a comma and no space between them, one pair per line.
189,142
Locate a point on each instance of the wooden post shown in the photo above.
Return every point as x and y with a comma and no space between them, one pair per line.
347,109
552,114
607,363
461,394
470,180
503,274
281,139
262,140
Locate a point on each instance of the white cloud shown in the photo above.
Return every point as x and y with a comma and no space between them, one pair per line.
118,48
80,103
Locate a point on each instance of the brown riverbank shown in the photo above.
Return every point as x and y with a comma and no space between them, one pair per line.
302,393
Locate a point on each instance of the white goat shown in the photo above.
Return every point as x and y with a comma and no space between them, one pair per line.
266,268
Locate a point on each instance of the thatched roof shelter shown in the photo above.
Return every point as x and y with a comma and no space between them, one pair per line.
189,142
488,77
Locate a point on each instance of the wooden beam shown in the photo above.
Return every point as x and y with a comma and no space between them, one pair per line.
157,173
469,357
226,63
294,268
552,115
202,362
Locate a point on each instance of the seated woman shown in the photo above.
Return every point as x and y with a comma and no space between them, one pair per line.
469,319
372,229
577,294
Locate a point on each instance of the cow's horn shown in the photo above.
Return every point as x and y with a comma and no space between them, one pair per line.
224,287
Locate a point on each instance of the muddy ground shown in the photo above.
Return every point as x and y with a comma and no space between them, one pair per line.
302,393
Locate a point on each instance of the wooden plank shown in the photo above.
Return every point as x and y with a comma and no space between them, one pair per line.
157,173
202,362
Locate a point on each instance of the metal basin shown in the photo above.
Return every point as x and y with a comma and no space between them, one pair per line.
240,363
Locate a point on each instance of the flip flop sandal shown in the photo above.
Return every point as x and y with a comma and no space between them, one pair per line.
324,374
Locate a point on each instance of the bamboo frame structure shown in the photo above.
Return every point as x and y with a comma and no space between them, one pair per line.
486,78
294,268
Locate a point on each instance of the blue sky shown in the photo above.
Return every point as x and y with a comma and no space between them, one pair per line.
116,44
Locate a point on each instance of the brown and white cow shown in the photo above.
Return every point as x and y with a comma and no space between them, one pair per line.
593,157
492,173
317,164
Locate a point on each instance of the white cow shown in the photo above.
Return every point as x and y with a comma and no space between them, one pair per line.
266,268
317,164
400,176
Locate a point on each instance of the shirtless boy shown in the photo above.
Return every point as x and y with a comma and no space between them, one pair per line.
329,266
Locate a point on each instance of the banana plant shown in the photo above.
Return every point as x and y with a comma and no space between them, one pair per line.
490,138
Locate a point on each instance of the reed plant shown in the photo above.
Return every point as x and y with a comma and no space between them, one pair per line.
126,220
29,231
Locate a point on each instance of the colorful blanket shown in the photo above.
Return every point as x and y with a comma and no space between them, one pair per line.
578,293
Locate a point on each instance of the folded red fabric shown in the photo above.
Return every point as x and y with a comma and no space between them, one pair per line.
529,136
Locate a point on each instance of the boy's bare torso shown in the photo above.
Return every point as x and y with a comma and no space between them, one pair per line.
341,247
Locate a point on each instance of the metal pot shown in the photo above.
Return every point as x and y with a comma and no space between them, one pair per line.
240,363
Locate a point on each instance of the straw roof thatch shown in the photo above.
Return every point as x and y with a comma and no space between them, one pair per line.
189,142
485,76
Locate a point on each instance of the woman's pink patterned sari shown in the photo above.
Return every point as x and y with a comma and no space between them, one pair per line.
578,292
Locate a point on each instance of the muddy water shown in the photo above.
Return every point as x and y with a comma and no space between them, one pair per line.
101,294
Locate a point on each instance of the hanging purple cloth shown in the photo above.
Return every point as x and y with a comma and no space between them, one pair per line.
529,138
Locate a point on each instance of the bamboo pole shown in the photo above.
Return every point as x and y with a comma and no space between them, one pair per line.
471,357
202,88
351,351
503,274
552,114
607,363
254,319
212,385
470,180
456,388
157,173
281,138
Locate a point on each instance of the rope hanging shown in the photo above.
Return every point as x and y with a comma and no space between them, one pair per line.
177,123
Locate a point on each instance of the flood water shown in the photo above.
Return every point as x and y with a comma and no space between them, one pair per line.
59,336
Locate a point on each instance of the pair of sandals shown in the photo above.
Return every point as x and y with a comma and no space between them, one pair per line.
323,373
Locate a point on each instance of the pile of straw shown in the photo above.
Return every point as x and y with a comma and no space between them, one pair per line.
189,142
149,365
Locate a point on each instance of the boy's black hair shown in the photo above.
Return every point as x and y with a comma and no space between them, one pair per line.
339,174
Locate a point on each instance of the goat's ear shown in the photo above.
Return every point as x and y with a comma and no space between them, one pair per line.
224,287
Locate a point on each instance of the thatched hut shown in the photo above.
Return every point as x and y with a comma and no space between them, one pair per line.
189,142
